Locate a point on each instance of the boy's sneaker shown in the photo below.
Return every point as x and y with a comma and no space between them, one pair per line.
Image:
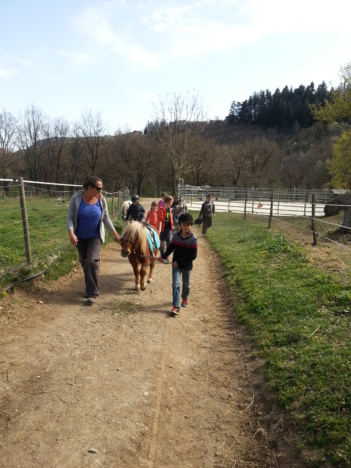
175,310
184,303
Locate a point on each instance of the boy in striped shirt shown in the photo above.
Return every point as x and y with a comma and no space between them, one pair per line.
184,247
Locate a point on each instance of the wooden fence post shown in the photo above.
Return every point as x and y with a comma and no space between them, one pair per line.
112,203
314,234
245,205
271,211
25,221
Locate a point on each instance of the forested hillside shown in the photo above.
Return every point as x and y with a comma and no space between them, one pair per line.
269,140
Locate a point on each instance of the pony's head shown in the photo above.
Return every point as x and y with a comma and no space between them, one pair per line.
134,239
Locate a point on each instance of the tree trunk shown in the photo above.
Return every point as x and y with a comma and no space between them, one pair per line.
346,223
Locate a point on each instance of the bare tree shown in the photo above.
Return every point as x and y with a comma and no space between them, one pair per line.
261,157
135,157
201,161
232,161
73,161
175,122
8,129
31,133
55,134
92,130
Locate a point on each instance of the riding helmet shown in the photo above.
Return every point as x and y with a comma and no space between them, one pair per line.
135,197
186,218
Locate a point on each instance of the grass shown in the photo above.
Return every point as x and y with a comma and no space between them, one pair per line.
299,317
50,248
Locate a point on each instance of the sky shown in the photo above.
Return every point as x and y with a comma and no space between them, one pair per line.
121,59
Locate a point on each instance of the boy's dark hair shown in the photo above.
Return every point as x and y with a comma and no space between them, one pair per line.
185,218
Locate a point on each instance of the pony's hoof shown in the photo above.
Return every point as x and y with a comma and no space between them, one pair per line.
149,281
137,288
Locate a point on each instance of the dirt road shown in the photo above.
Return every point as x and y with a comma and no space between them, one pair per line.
122,384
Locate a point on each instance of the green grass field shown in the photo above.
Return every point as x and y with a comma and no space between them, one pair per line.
50,247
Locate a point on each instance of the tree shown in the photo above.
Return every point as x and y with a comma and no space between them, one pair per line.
73,161
337,110
232,162
91,129
261,156
175,122
8,128
31,135
341,202
55,133
201,162
135,156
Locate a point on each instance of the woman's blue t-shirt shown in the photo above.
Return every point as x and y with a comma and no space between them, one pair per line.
88,220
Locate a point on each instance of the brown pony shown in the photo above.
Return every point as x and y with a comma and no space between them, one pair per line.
135,246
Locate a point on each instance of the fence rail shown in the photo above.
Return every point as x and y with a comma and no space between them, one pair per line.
33,223
22,246
231,195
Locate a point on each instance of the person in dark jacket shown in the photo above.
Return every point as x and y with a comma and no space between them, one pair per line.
136,211
184,247
206,213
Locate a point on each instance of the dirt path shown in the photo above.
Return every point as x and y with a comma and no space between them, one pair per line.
123,384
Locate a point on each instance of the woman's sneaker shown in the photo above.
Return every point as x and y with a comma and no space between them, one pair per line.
184,303
175,310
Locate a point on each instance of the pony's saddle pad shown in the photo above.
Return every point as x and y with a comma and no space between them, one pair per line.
152,238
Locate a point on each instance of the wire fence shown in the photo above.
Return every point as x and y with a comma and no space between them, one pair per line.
277,205
33,223
44,207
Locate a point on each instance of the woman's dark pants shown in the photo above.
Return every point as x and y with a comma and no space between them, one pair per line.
89,257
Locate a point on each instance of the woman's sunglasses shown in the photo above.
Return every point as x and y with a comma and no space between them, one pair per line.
97,188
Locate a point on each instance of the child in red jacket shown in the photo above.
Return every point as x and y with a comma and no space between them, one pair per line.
151,216
165,223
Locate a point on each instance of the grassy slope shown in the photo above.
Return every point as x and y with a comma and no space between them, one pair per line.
299,317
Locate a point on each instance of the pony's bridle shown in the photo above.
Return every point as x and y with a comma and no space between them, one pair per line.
133,252
131,242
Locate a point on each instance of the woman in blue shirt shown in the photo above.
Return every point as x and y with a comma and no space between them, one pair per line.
87,218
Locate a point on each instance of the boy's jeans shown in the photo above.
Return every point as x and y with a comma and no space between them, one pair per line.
177,275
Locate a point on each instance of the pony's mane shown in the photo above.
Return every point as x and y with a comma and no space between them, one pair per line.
136,232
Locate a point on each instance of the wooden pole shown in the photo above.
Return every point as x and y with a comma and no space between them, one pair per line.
271,211
314,234
112,203
25,221
245,205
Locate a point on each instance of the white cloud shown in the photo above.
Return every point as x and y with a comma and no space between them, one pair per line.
97,23
79,59
149,34
6,73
